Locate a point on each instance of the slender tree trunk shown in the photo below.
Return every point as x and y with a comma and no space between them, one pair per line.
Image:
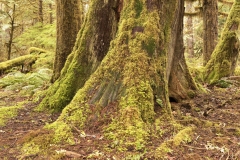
210,27
92,44
11,32
224,58
181,84
68,25
189,28
50,14
40,11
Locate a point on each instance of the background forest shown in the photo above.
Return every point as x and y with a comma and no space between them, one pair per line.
63,94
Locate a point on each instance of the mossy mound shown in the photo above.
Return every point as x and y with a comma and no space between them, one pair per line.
7,113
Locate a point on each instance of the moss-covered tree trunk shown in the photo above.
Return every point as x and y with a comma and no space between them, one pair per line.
91,46
224,58
210,25
128,92
68,24
181,84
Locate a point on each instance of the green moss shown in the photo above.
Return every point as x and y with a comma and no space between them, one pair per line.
184,136
35,50
237,133
191,94
150,46
37,142
162,150
223,59
6,113
62,132
138,7
128,132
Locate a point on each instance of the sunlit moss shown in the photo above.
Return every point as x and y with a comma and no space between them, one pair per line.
7,113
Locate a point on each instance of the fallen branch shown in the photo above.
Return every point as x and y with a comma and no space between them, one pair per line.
71,154
25,62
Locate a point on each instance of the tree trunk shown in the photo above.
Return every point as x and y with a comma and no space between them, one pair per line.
224,58
189,28
92,44
210,27
129,89
50,13
11,32
181,84
131,79
68,25
40,11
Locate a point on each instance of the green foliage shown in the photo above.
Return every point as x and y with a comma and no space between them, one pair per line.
41,36
7,113
138,7
223,83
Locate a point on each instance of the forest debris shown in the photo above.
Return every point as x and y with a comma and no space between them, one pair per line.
69,154
1,131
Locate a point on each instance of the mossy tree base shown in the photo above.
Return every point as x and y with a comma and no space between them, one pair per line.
131,83
90,48
224,58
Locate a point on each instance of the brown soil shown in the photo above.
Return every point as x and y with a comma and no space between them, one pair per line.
215,116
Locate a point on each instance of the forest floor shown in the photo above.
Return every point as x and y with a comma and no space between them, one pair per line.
214,115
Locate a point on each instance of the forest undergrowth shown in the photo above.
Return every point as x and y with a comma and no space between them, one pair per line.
206,127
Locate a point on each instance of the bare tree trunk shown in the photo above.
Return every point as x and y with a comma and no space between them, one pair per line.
189,30
40,11
181,84
210,27
11,32
68,24
50,14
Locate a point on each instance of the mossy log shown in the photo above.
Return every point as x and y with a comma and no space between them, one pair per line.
25,62
224,58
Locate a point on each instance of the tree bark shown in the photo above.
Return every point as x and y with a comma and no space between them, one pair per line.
11,32
92,44
51,13
40,11
210,27
181,84
224,58
68,24
189,28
